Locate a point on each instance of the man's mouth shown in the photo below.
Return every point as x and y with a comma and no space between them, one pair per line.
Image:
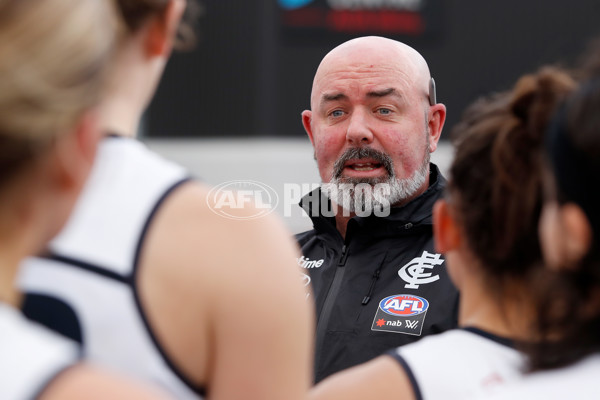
363,166
363,163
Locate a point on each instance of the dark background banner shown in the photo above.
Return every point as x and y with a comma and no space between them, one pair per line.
252,71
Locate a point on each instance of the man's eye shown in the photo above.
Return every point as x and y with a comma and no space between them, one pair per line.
384,111
337,113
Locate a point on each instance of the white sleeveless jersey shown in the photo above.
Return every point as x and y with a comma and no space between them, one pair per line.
578,381
92,265
30,356
459,364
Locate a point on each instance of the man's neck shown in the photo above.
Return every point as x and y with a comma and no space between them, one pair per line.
341,222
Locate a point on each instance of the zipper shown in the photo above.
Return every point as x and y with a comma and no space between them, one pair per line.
367,298
329,302
374,280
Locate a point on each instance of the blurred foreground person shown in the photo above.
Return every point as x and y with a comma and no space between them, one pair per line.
486,226
53,58
149,279
569,312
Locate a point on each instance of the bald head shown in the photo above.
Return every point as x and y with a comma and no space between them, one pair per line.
372,94
365,53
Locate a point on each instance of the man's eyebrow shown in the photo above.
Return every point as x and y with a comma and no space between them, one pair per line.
327,97
384,92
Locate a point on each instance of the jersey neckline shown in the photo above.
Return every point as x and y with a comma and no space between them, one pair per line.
490,336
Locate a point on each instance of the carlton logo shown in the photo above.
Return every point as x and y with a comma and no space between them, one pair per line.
403,305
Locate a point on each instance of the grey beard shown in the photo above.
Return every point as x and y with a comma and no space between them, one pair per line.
367,195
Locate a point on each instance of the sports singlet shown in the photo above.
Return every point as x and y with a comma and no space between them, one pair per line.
459,364
578,381
31,357
86,288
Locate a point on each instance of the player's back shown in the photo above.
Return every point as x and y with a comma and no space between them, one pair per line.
152,281
460,364
578,381
85,287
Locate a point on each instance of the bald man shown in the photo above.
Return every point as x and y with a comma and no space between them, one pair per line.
377,280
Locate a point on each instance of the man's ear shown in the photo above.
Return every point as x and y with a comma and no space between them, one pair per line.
162,29
577,233
446,234
437,117
75,151
307,123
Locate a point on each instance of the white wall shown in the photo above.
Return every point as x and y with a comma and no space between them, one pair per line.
274,162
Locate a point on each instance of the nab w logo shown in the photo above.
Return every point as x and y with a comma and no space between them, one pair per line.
411,324
414,273
401,313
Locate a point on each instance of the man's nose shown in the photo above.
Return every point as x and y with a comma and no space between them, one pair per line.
359,131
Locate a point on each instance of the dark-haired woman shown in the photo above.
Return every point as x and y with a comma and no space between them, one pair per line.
567,361
149,279
487,229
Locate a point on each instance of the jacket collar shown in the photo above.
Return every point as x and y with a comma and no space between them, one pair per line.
417,213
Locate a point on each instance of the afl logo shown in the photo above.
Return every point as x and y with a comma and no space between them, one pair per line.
403,305
225,198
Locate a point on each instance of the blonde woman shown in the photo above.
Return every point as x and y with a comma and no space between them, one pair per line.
53,54
149,279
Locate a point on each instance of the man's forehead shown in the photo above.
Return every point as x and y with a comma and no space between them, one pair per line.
345,86
370,61
364,68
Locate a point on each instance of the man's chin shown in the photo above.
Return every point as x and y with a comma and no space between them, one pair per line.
357,180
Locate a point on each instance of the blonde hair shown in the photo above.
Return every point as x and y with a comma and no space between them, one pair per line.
53,59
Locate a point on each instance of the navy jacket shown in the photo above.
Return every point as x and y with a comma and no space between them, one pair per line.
382,287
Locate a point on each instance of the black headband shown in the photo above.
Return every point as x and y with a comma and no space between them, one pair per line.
575,173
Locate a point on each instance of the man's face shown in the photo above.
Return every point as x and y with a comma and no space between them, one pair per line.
377,107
